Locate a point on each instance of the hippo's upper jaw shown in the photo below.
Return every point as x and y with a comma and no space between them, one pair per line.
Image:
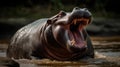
78,19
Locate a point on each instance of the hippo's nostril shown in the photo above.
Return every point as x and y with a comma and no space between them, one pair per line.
76,8
62,13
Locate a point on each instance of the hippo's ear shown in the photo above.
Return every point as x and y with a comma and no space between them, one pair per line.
62,13
56,17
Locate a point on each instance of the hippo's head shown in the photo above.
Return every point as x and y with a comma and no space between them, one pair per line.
67,28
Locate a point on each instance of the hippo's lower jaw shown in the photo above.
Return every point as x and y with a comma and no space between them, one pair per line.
76,35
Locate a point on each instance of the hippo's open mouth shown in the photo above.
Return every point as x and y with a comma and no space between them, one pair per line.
76,35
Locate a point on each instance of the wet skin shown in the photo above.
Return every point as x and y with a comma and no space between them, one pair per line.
61,37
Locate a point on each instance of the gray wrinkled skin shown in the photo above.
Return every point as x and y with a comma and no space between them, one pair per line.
52,38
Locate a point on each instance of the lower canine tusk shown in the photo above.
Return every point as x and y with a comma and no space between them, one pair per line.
72,42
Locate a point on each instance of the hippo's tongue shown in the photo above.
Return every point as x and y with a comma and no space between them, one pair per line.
77,39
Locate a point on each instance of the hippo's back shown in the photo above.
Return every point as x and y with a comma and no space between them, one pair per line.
26,39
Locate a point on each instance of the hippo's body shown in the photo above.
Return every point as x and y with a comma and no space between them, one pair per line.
61,37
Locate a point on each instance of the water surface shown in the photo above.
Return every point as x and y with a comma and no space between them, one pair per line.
107,54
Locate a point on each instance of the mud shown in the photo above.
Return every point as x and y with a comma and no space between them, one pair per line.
107,54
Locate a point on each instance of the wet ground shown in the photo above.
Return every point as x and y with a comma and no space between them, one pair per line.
107,54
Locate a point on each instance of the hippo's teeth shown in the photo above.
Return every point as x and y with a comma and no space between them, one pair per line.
79,19
75,21
84,20
72,41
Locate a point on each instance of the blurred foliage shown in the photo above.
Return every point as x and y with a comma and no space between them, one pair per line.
47,8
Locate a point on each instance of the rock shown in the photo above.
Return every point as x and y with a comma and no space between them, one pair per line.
104,27
94,28
6,62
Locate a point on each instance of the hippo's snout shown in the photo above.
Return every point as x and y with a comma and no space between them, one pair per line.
80,12
80,16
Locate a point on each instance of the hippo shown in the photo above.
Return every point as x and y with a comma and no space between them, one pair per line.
61,37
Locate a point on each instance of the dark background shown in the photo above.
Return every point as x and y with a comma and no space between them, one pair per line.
13,8
16,13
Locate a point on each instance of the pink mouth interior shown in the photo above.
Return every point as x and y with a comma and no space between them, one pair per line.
76,34
78,38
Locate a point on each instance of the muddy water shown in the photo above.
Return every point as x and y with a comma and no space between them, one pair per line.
107,54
